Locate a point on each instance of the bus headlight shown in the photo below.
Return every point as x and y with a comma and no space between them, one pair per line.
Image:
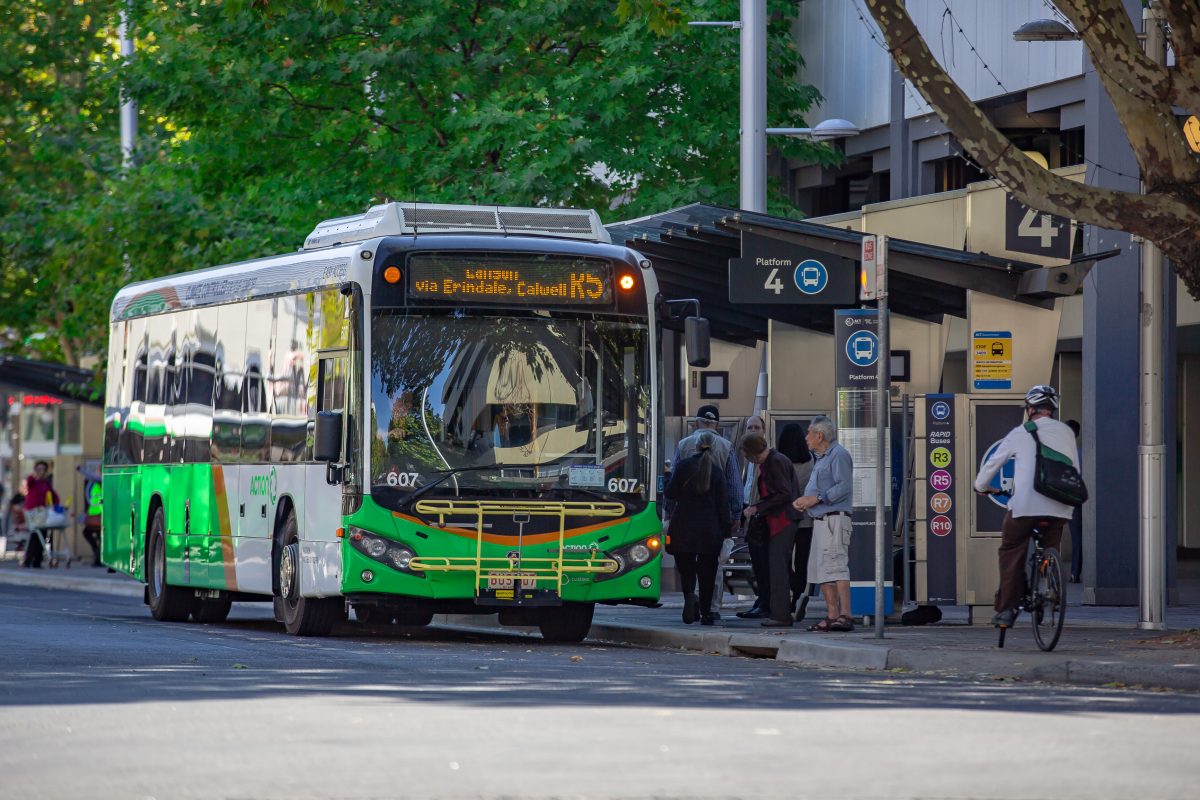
386,551
632,556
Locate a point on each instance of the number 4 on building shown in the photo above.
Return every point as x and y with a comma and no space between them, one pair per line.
1037,224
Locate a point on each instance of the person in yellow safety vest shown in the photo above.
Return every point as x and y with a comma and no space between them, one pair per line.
91,522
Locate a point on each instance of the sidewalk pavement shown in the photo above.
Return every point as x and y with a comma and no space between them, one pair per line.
1099,646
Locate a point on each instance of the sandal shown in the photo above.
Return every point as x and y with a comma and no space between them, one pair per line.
824,626
842,624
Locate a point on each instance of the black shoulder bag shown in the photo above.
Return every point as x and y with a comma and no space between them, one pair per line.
1054,474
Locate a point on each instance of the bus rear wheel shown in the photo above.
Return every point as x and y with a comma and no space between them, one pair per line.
568,623
167,603
301,616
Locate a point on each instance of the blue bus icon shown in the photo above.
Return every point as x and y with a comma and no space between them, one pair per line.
862,348
810,276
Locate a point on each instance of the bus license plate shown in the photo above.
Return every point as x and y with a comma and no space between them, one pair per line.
505,580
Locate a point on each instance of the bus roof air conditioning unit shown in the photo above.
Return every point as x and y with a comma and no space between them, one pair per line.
399,219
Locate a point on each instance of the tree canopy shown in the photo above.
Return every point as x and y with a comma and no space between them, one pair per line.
259,119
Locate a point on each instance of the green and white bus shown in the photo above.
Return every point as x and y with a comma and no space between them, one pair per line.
427,409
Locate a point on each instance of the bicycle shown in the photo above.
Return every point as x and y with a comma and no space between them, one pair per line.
1045,595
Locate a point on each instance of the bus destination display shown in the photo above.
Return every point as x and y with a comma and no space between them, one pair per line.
511,279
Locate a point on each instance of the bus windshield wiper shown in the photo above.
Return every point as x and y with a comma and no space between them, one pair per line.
590,493
407,503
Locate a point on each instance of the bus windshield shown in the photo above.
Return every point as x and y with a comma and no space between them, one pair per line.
530,406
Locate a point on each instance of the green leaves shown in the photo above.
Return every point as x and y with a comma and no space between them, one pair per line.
258,119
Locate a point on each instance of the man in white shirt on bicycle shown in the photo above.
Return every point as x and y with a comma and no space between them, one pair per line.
1026,507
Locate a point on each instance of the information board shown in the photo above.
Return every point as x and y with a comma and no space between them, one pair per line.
509,278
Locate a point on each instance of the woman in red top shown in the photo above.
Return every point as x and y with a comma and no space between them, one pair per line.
39,493
776,491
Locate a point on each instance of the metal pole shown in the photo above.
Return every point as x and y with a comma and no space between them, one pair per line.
128,105
1151,450
882,412
760,391
754,105
904,488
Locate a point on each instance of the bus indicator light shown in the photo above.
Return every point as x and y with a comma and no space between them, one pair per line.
392,274
626,282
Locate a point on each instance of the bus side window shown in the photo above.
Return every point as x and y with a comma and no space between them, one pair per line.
332,380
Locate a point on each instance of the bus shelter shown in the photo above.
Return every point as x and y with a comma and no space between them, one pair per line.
781,359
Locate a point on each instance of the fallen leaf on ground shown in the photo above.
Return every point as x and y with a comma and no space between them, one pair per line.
577,658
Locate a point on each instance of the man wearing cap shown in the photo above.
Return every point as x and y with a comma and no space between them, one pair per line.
707,419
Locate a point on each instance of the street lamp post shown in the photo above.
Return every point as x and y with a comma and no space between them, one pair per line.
754,105
128,104
752,168
1151,449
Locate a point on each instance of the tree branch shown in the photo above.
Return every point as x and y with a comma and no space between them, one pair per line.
1166,219
1140,89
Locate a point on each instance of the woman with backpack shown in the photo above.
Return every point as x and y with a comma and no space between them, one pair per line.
698,526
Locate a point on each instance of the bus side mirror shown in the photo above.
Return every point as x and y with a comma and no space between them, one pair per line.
695,337
327,444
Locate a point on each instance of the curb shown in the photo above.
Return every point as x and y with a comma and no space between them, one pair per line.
126,588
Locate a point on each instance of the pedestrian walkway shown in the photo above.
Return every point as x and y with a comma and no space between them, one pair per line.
1099,646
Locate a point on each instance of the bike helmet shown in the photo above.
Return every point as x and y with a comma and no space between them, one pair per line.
1042,395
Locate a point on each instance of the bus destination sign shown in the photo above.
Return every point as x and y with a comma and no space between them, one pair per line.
510,279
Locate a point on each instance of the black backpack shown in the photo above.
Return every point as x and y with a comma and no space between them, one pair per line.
1054,474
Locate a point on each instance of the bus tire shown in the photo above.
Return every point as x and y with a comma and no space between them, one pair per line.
569,623
211,611
302,616
167,603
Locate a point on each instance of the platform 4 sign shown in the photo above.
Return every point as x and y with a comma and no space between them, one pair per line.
774,271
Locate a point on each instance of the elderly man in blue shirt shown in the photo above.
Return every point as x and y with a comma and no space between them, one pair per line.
828,499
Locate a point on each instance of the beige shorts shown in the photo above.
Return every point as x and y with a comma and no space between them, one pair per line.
829,556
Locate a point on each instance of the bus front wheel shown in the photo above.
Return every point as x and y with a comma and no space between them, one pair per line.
301,616
167,603
568,623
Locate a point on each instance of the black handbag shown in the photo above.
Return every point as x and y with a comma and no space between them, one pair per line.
1054,474
757,531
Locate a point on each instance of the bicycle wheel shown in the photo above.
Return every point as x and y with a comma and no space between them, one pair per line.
1049,600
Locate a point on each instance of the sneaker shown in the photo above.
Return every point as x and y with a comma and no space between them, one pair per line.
1005,618
690,601
709,619
714,615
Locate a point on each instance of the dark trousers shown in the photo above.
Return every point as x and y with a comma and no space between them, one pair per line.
700,567
33,548
779,559
1014,543
759,563
1077,544
91,534
799,581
